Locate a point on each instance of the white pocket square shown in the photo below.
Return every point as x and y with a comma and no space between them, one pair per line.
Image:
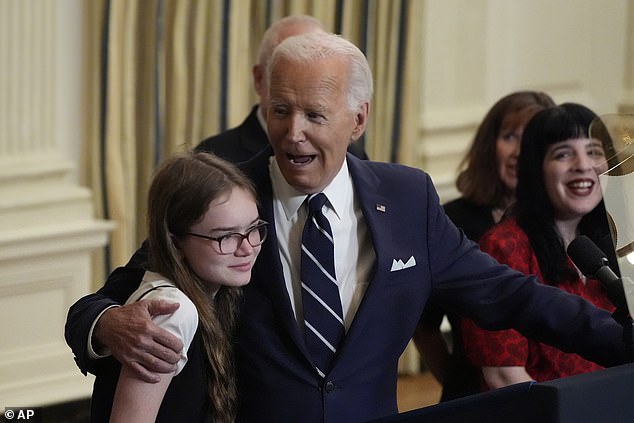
399,265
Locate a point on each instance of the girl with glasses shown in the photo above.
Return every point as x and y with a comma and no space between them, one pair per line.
204,234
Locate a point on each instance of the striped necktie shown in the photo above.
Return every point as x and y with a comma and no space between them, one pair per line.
323,316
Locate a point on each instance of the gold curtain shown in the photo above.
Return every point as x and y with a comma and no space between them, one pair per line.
168,73
93,26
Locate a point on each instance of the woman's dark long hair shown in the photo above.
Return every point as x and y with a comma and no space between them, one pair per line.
534,211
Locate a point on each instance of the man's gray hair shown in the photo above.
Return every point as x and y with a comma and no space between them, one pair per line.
274,34
307,48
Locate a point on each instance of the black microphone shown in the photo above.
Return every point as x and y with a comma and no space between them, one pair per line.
593,263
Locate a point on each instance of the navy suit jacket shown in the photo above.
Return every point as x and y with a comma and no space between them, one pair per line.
277,381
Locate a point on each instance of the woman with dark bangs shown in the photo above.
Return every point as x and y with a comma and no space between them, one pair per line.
558,198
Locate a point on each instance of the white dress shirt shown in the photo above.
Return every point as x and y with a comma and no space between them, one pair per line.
182,323
354,253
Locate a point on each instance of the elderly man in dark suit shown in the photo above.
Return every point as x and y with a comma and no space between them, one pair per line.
241,143
393,247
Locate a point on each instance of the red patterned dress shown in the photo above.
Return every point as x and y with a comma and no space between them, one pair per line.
508,243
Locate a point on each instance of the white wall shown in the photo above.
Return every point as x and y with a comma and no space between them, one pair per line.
476,51
47,228
68,81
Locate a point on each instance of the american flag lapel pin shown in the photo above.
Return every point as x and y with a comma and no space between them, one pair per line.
380,207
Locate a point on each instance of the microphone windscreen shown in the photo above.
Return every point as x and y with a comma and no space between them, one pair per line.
586,255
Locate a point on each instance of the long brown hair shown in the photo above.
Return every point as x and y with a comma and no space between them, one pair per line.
180,194
478,181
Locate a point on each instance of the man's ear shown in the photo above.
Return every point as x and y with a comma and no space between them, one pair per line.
361,121
258,79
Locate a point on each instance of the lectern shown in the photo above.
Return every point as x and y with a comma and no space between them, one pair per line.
605,396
